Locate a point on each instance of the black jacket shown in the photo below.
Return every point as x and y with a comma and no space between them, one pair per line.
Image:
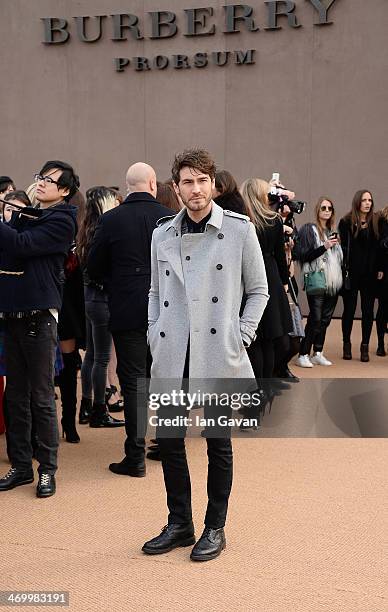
360,252
121,255
232,201
36,248
306,250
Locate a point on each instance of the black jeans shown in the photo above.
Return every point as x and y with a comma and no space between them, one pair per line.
350,303
177,479
30,347
131,351
318,320
177,476
98,349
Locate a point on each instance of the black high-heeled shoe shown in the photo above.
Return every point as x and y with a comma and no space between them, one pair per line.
117,406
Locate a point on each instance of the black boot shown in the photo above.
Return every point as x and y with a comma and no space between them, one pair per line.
364,353
68,386
100,417
347,351
381,347
85,410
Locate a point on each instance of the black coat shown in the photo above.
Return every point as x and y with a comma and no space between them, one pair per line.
121,254
276,320
361,252
37,248
232,201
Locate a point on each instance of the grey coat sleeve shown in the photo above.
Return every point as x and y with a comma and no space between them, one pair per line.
153,301
255,286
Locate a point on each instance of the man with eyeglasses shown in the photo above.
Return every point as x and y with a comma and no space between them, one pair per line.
33,247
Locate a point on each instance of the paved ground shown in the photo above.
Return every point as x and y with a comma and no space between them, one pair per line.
307,528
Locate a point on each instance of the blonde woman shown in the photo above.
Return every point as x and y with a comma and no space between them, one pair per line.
276,322
319,249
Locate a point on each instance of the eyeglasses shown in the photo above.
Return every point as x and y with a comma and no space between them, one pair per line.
327,208
46,179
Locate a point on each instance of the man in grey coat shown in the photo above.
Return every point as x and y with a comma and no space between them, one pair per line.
202,262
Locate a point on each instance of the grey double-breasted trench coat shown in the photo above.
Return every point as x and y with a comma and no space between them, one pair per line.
197,283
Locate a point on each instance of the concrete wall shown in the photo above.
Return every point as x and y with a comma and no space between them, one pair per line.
313,107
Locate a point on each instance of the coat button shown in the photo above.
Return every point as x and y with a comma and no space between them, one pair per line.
219,267
166,303
188,257
167,272
162,335
215,300
220,236
213,331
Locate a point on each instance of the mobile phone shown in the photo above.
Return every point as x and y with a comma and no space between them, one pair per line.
275,176
333,235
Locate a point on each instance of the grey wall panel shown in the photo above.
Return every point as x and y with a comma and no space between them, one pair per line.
313,107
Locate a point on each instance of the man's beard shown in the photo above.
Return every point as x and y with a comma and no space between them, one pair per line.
195,206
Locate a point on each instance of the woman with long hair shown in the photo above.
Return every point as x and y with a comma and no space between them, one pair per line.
319,249
99,200
359,239
276,322
226,193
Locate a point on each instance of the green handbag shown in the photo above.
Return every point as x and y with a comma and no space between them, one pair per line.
315,282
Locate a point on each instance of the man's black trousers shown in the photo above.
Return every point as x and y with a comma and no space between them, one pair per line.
30,346
177,480
131,352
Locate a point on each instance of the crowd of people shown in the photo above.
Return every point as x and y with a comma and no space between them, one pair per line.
192,278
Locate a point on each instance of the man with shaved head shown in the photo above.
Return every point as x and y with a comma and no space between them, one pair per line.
121,255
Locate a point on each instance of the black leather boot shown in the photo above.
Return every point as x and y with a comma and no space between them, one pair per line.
100,417
172,536
85,410
347,351
364,353
67,381
210,545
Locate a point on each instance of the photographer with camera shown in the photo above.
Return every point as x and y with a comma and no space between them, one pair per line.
320,255
33,247
283,202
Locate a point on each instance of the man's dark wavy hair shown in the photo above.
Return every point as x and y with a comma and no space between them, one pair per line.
198,159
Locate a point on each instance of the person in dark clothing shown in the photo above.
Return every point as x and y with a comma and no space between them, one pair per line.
276,322
20,198
359,240
99,200
33,248
318,249
121,253
226,193
6,186
382,282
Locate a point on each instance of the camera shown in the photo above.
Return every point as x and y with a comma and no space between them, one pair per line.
279,201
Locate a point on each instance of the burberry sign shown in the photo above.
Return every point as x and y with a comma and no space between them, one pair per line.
190,23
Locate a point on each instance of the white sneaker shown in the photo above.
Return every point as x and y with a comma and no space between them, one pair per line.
303,361
320,359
